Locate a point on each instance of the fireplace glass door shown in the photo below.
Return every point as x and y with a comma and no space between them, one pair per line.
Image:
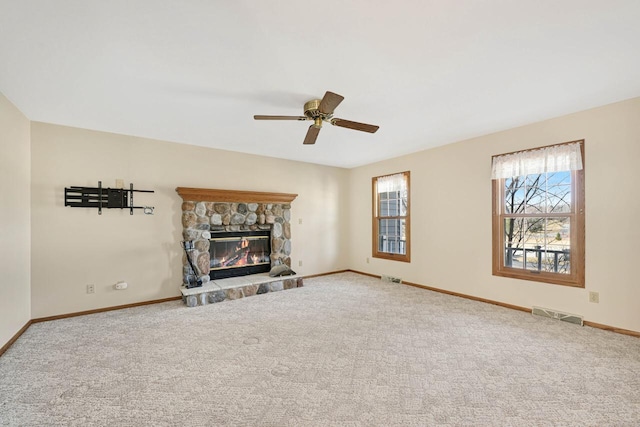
239,253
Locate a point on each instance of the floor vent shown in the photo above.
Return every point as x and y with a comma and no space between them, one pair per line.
391,279
565,317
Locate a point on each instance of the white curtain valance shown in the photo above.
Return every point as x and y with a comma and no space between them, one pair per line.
555,158
396,182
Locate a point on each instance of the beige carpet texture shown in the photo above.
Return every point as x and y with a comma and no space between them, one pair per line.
344,350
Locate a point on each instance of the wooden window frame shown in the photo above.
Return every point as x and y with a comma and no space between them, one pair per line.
406,257
576,277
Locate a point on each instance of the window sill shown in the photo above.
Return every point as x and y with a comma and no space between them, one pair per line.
392,257
536,276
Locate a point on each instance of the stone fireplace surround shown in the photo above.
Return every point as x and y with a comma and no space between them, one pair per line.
206,210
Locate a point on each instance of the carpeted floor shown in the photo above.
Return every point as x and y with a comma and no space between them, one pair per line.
344,350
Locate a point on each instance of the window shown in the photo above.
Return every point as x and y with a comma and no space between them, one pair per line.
391,217
538,214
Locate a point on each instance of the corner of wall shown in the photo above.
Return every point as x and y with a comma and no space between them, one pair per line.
15,221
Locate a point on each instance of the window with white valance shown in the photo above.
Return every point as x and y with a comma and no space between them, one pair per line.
554,158
538,214
391,224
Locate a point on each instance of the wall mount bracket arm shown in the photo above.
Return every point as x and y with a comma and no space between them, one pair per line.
104,198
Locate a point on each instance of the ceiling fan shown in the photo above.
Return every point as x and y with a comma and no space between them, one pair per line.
320,110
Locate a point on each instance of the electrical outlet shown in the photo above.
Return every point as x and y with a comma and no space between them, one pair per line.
299,263
91,289
299,220
367,260
594,297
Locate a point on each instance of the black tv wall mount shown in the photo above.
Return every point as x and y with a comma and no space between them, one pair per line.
104,198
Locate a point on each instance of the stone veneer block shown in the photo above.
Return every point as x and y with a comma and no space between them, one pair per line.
235,293
216,296
277,286
191,301
250,290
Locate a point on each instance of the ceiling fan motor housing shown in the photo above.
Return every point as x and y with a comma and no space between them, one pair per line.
311,109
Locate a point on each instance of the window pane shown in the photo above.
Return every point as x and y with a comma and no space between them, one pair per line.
384,208
536,180
559,204
402,203
559,192
508,182
536,201
391,236
535,194
514,195
393,204
538,244
559,178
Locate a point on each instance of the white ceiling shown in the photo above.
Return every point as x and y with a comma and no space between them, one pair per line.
428,72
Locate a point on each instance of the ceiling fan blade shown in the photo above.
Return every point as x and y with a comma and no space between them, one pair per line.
312,135
354,125
279,117
329,102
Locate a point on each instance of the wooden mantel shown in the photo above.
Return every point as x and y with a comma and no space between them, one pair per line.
211,195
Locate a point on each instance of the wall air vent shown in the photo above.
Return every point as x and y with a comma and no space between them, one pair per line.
554,314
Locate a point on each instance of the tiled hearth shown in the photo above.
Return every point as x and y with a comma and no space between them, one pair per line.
237,287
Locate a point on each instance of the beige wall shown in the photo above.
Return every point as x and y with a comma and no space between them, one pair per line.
15,294
451,216
73,247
